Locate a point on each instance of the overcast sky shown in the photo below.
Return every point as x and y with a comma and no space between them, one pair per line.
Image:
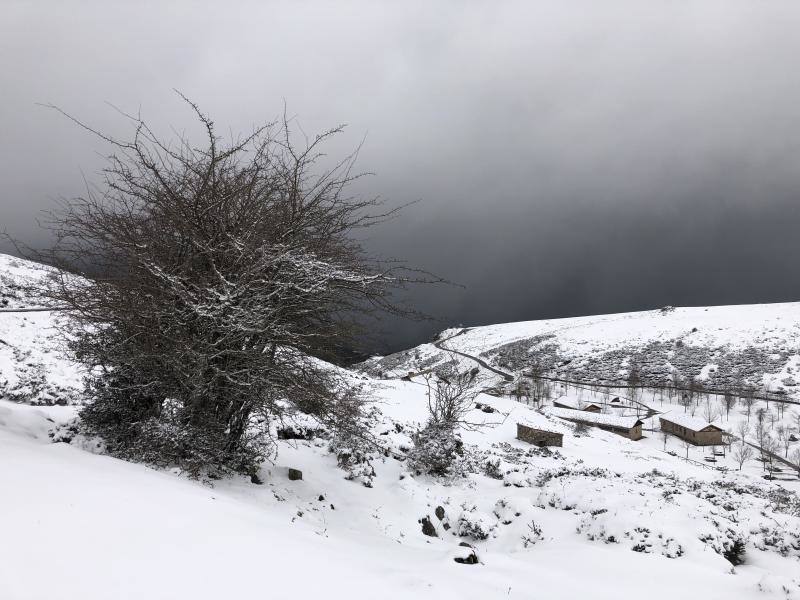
569,157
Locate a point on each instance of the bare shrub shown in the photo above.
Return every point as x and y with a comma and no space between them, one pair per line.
451,396
204,281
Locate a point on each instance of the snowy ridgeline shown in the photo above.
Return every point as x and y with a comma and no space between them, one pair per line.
650,517
720,347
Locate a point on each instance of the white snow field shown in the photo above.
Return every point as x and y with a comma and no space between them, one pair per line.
80,525
601,517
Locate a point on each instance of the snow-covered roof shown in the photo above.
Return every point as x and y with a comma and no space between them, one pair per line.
686,420
593,418
540,428
574,403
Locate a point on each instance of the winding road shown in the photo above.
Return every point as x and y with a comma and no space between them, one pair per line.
480,361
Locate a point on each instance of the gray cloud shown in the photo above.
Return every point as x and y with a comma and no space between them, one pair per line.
570,157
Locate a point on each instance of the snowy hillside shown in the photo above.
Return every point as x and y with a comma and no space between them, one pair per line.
633,518
722,346
32,366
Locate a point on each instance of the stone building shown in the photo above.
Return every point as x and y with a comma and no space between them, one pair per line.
629,427
573,403
692,429
539,437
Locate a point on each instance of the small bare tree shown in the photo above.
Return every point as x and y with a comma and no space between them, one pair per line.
769,447
784,439
687,445
748,400
451,396
728,402
761,426
743,430
710,412
742,452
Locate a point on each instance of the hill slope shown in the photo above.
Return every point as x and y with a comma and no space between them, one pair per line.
631,518
33,368
722,346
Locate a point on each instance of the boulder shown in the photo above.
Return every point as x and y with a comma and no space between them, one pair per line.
428,528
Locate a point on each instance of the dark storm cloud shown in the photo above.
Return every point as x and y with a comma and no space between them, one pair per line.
570,157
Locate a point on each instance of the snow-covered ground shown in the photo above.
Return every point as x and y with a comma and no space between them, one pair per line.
601,517
32,368
626,516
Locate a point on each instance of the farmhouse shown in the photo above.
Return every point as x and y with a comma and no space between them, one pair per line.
692,429
574,404
629,427
539,437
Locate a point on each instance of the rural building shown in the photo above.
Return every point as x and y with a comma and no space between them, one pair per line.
539,437
574,404
629,427
692,429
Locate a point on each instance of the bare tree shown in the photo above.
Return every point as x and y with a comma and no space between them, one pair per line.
687,445
203,278
742,452
728,402
665,438
451,396
634,380
743,430
761,426
521,389
710,412
784,439
748,400
769,447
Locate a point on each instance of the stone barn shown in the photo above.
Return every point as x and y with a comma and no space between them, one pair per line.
539,437
575,404
692,429
629,427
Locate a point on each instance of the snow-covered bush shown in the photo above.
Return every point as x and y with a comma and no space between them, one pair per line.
533,535
474,524
436,450
216,274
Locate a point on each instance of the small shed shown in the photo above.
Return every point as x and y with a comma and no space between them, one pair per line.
573,403
629,427
692,429
539,437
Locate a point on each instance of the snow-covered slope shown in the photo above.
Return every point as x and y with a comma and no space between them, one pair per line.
758,344
33,367
629,518
601,517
